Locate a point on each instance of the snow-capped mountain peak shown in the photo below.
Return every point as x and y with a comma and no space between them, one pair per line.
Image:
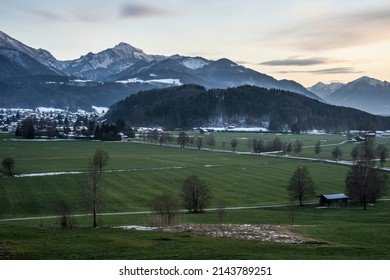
370,81
128,51
126,47
108,62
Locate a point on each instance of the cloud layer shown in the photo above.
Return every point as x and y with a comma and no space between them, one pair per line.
326,71
294,61
132,10
129,10
337,31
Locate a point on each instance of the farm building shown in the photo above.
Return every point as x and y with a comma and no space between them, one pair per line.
334,200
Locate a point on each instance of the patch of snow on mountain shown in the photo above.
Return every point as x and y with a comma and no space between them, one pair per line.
129,81
103,60
375,83
194,63
80,81
161,81
166,81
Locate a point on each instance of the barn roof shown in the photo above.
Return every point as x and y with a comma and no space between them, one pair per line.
335,196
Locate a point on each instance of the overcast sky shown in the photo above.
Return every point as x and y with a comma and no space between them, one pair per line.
303,40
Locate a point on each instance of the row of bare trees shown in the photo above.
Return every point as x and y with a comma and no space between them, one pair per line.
276,145
365,182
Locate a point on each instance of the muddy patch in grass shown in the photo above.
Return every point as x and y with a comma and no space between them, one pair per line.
271,233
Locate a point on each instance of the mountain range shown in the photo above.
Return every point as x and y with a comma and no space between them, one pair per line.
367,94
324,90
34,77
27,75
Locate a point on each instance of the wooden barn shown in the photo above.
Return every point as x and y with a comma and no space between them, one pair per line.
334,200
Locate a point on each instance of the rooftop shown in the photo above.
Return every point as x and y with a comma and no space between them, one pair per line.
335,196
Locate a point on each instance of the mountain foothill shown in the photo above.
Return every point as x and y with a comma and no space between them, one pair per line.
181,91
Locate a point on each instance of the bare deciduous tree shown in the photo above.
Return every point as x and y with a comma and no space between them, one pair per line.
257,145
196,194
182,139
365,183
8,164
298,145
317,148
382,153
289,149
277,144
100,159
94,190
234,144
221,210
165,207
336,153
199,142
291,208
210,141
66,221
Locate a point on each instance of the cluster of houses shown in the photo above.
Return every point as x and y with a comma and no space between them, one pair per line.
66,122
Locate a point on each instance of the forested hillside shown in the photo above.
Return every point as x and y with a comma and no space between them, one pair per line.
191,106
61,92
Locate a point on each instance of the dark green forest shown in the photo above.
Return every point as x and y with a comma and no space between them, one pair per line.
193,106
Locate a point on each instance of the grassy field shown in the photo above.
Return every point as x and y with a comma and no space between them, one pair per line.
139,172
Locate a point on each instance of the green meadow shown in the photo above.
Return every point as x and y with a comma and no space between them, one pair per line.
137,172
